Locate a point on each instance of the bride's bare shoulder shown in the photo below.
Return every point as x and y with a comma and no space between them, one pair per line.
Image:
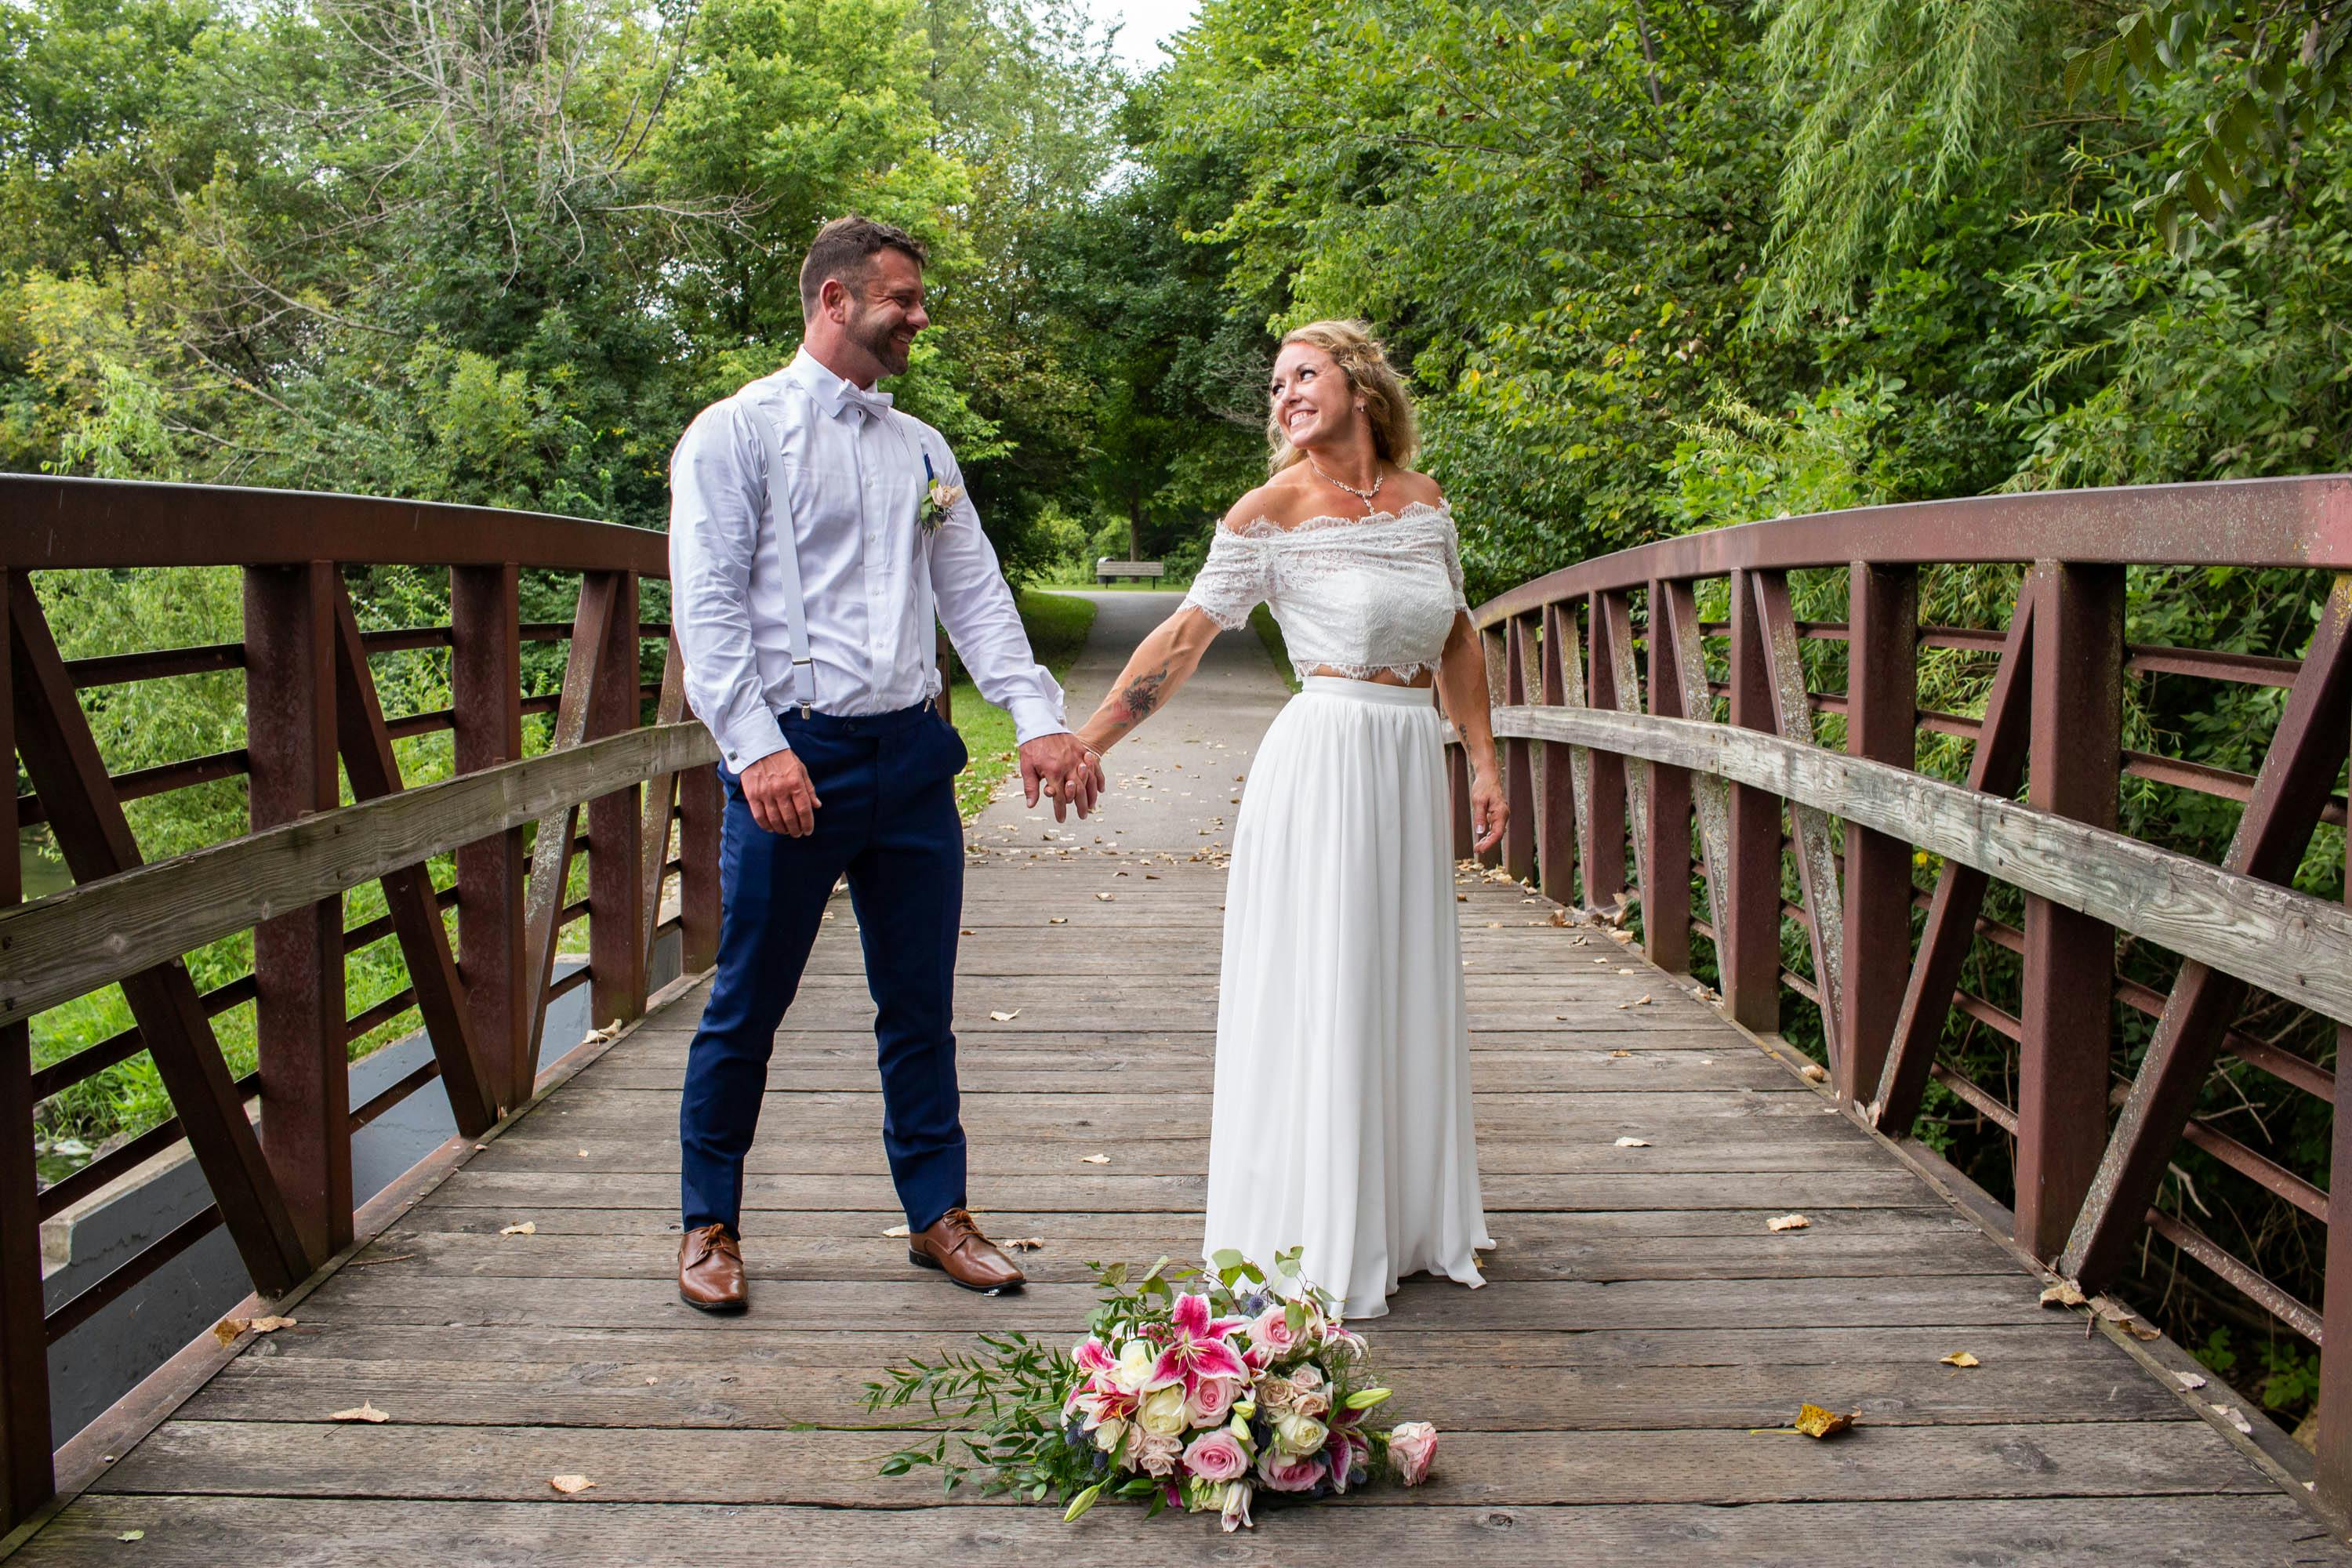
1412,488
1281,500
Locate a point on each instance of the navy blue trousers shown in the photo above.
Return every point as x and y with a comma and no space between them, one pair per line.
888,821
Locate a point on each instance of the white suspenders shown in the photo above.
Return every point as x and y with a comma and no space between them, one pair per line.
800,690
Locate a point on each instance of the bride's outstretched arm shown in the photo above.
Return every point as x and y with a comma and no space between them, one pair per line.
1462,682
1161,663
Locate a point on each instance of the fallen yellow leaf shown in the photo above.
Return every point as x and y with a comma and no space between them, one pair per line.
1618,1055
1632,1143
1961,1358
227,1329
1815,1422
528,1228
363,1411
1004,1018
1058,920
1094,1159
1789,1222
1813,1072
1105,898
2230,1413
133,1535
2065,1293
568,1485
897,1230
1026,1243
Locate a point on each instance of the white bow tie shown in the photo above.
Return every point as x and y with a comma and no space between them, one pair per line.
872,405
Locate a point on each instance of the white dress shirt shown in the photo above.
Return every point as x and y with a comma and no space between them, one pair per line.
849,469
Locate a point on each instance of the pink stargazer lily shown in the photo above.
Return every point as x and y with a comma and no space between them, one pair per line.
1196,1347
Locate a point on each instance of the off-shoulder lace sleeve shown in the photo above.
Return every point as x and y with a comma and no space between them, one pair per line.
1234,579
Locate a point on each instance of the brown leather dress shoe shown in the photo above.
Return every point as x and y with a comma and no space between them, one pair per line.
955,1247
710,1271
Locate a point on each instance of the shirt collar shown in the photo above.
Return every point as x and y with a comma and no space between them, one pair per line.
833,392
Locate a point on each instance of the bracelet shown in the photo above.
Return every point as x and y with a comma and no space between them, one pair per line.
1084,747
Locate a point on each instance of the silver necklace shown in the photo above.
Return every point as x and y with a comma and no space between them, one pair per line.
1364,496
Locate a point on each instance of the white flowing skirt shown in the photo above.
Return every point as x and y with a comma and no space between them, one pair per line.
1342,1121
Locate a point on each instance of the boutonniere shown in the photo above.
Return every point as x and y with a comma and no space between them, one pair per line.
938,496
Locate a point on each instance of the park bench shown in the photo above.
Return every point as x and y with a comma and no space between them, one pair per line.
1107,569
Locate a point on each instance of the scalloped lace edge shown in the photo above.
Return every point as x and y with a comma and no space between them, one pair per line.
1266,528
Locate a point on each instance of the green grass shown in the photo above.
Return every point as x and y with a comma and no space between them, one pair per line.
1057,625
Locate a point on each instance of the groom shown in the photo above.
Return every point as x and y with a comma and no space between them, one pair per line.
815,533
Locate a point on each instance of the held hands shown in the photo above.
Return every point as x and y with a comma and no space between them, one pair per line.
1488,810
1059,767
781,799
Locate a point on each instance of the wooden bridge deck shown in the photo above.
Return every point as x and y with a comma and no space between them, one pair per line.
1600,1398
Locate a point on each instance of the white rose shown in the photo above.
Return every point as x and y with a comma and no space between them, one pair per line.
1296,1434
1162,1412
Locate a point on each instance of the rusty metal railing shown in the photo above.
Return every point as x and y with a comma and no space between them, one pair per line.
620,755
1628,718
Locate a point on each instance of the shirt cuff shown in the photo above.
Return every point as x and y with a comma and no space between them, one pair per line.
746,740
1033,717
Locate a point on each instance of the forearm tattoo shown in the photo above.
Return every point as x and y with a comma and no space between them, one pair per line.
1136,700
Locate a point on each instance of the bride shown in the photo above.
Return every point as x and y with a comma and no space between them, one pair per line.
1342,1122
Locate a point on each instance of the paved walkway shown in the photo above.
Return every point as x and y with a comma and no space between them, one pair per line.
1615,1395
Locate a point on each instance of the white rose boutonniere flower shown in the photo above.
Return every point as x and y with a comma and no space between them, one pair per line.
939,497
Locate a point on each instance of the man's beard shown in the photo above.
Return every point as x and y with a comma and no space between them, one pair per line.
869,331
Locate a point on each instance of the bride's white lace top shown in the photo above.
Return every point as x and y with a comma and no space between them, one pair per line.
1365,596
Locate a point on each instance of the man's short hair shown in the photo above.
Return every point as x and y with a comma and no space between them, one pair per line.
846,249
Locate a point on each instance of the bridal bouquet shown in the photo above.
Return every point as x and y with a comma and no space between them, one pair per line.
1204,1399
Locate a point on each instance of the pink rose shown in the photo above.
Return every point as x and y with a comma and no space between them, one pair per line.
1211,1401
1217,1456
1411,1448
1270,1331
1290,1475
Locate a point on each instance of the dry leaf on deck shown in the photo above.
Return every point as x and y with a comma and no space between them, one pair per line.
1632,1143
133,1535
2190,1379
1026,1243
2230,1413
227,1329
568,1485
1624,972
1004,1018
897,1230
1618,1055
363,1411
583,1153
1961,1358
1105,898
527,1227
1815,1422
1058,920
2065,1293
1094,1159
271,1325
1789,1222
1813,1072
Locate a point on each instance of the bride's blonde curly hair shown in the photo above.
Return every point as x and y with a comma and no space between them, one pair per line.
1361,358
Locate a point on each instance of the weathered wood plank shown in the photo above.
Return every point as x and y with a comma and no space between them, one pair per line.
749,1394
834,1468
2044,1532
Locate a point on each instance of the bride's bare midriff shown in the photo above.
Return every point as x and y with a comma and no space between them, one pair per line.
1383,678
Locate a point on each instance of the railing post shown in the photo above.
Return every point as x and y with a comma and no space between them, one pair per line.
616,913
1491,643
1556,779
298,958
1882,723
1457,800
1666,896
2075,757
26,1477
1604,817
1749,947
1518,760
2332,1451
486,689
